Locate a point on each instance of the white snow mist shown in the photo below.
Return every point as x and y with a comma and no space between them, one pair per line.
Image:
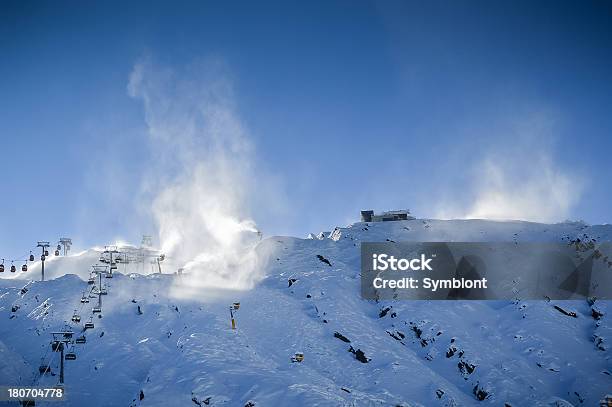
199,183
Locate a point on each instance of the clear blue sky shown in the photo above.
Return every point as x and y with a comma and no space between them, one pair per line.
357,104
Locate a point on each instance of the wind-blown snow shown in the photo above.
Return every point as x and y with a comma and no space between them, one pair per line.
182,352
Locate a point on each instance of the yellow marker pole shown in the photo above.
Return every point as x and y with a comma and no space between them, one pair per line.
232,317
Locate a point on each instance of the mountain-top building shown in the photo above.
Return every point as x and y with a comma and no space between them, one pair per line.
370,216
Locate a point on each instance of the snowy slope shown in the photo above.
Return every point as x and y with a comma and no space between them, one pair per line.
429,353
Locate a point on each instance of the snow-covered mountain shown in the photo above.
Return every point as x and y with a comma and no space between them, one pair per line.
150,348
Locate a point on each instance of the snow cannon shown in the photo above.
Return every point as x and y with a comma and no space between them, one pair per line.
233,308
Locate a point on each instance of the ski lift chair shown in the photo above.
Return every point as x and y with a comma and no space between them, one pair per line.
76,318
89,324
44,369
70,355
57,346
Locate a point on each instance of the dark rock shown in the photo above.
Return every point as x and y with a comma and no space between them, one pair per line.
397,335
596,314
439,393
383,312
341,337
359,355
141,395
480,393
564,312
291,281
466,368
323,259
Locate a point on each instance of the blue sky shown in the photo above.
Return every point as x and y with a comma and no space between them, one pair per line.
436,106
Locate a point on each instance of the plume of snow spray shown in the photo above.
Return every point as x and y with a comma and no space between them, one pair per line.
199,183
544,194
518,179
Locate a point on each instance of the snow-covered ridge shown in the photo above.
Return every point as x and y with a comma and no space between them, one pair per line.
181,352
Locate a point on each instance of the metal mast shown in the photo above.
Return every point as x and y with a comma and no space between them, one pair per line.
43,246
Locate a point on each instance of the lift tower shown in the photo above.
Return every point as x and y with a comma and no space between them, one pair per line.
66,242
60,340
43,246
99,270
111,250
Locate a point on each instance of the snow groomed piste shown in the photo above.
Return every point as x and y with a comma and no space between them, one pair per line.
304,335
